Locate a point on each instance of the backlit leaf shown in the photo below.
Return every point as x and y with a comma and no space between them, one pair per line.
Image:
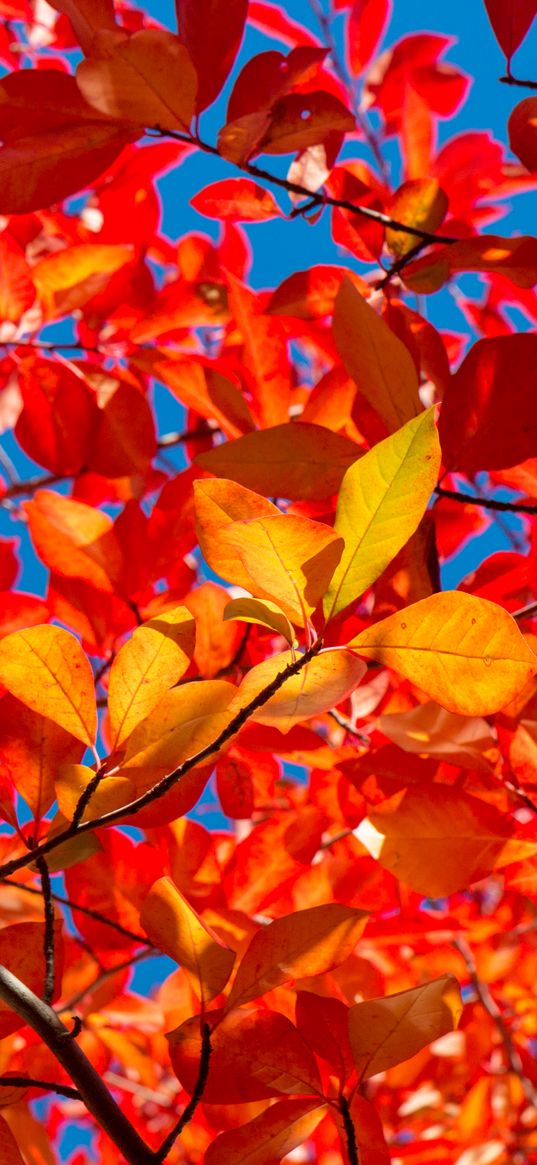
47,670
260,611
151,662
515,258
439,840
87,17
298,461
326,680
419,203
178,930
383,1032
9,1150
32,747
377,360
147,78
74,539
184,721
212,32
218,504
50,166
269,1137
464,652
381,502
305,943
236,200
290,560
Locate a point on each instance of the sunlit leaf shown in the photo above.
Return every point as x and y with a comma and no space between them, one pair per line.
47,670
326,680
218,504
147,78
32,747
269,1137
381,502
74,539
151,662
464,652
263,612
419,203
439,840
178,930
385,1031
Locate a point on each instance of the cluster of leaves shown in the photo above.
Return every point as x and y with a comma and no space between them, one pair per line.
258,596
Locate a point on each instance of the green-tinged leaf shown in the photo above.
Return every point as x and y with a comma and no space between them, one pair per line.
262,612
305,943
151,662
381,501
46,668
464,652
384,1032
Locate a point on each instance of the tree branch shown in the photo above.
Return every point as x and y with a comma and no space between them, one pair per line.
136,938
197,1095
95,1095
487,503
350,1134
510,80
48,944
157,791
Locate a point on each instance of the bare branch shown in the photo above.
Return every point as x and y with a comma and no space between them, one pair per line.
487,503
102,918
350,1134
47,1086
197,1095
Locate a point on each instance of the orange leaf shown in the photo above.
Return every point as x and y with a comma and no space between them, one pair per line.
17,291
177,929
466,653
151,662
296,460
184,721
255,1055
377,360
461,740
74,539
32,747
67,278
515,258
269,1137
218,504
47,670
302,944
147,78
383,1032
290,560
326,680
265,355
439,840
300,120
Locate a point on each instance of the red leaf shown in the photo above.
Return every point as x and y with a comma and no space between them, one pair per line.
236,200
212,32
367,22
510,20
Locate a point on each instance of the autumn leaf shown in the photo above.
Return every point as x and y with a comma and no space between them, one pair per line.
46,669
439,840
522,128
32,748
464,652
236,200
74,539
262,612
147,78
380,504
21,953
176,928
305,943
9,1150
422,203
385,1031
511,21
151,662
269,1137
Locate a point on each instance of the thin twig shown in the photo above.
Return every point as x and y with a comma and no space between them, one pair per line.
199,1087
157,791
525,612
487,503
46,1085
491,1007
350,1133
399,265
102,918
345,723
510,80
48,941
104,976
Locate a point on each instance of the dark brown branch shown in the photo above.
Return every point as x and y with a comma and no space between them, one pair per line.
18,489
487,503
491,1007
157,791
85,798
94,1093
48,942
526,612
350,1134
136,938
399,265
315,198
510,80
46,1085
345,723
199,1088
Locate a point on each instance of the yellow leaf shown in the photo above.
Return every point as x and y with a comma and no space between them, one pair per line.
174,927
326,680
419,203
218,504
439,840
381,501
290,560
147,78
110,793
377,360
308,942
384,1032
151,662
464,652
263,612
46,668
185,720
